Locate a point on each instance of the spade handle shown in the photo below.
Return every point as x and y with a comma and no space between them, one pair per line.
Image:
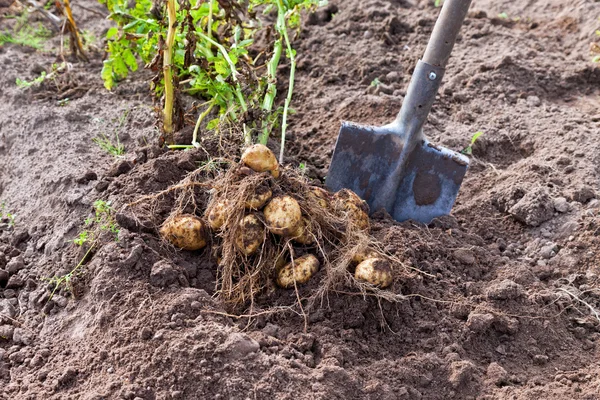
428,73
445,32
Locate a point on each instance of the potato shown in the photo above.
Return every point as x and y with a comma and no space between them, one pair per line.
185,231
258,198
348,202
376,271
283,215
217,215
320,196
363,255
250,235
300,271
303,234
260,159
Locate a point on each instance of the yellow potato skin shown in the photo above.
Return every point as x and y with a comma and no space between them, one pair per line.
259,158
185,231
376,271
300,271
250,235
347,201
302,234
363,255
320,196
258,199
217,215
283,215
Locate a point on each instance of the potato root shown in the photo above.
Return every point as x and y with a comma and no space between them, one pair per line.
250,235
376,271
283,215
185,231
299,271
346,201
260,159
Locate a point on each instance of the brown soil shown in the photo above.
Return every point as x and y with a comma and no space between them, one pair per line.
505,306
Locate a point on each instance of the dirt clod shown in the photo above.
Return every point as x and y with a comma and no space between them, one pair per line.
505,290
533,208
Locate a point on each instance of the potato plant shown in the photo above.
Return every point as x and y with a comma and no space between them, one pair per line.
206,49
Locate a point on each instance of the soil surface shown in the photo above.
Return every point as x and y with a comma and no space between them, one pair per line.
507,300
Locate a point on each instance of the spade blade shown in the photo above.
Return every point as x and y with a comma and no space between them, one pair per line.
427,181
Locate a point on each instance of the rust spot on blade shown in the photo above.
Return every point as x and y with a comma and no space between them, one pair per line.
427,188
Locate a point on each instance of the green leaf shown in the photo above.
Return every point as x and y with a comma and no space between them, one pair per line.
212,124
129,59
112,32
475,137
119,67
107,74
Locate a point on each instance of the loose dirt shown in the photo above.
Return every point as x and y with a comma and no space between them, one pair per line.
503,300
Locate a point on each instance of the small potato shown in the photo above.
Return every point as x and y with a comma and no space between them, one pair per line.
303,234
217,215
250,235
259,198
300,271
376,271
348,202
283,215
320,196
185,231
260,159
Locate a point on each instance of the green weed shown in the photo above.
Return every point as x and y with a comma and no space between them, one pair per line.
25,84
469,149
26,34
102,221
5,213
115,148
375,82
106,144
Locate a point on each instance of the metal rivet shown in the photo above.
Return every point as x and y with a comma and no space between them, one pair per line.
432,76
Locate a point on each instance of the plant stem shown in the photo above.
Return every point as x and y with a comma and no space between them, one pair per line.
210,22
282,28
200,118
271,91
74,32
223,51
168,73
272,76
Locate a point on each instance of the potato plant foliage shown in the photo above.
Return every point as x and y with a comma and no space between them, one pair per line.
214,56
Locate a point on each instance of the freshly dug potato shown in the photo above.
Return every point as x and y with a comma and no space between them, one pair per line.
363,255
251,235
303,234
185,231
348,202
376,271
300,271
320,196
259,198
217,215
260,159
283,215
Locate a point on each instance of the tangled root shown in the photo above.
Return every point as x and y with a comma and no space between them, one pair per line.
334,234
